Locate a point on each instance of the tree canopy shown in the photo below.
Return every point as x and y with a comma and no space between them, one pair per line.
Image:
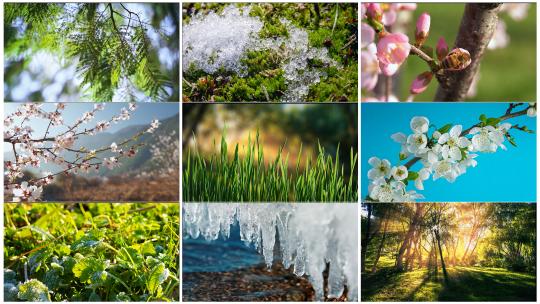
91,51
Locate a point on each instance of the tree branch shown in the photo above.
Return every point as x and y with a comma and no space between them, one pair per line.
477,26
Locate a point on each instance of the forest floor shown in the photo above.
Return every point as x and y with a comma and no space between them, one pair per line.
464,284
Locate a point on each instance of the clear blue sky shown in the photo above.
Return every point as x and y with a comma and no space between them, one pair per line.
144,114
503,176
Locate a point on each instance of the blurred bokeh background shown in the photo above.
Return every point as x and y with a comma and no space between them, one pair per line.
290,125
507,73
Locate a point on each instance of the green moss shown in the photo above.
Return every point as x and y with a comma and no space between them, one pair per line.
339,85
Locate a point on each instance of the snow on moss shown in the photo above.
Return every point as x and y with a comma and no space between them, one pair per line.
220,41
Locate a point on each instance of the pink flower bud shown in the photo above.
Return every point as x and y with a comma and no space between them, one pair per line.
421,82
422,28
374,11
442,49
456,60
392,50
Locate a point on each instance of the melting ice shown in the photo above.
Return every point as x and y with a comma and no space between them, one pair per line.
309,235
219,41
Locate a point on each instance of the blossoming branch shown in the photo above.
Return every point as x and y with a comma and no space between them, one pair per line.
30,150
445,153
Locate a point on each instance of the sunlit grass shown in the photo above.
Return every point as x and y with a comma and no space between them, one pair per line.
464,284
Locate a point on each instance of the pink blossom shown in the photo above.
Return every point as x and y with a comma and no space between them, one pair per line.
517,11
404,6
367,34
442,49
389,17
500,38
392,50
421,83
370,70
422,28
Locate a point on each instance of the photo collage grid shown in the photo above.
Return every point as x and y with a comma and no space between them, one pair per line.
230,152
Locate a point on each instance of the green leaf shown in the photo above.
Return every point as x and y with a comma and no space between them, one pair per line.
493,121
91,270
483,118
148,249
34,291
88,241
445,128
402,156
158,275
412,175
130,256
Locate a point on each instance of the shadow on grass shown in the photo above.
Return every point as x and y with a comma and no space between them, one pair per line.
465,284
488,284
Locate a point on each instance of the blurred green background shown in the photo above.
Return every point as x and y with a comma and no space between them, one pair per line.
506,74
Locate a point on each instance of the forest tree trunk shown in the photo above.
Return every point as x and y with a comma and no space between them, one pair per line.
406,242
381,245
437,236
366,239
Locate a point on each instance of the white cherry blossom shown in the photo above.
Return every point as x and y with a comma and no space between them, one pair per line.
420,124
452,143
417,143
381,168
399,173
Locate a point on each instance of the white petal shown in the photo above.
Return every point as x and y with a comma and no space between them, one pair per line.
464,142
455,131
418,184
423,174
474,130
455,153
432,157
444,138
373,174
399,137
374,161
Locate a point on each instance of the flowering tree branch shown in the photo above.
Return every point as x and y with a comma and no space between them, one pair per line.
446,153
385,47
509,114
477,27
29,151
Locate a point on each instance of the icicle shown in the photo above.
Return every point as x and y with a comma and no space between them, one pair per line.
309,235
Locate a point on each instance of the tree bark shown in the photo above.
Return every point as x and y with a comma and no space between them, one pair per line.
366,239
477,26
406,242
437,236
381,245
